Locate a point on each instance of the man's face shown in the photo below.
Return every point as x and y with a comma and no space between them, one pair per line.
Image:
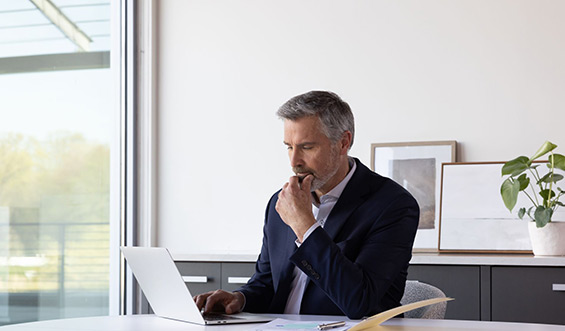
311,152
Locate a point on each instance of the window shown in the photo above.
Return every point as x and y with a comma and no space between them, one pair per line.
58,134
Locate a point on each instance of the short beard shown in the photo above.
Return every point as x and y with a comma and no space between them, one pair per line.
319,182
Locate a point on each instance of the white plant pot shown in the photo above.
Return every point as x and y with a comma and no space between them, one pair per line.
549,240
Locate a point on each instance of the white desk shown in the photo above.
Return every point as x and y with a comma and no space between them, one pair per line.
154,323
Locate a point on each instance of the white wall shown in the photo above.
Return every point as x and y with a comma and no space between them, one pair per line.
487,73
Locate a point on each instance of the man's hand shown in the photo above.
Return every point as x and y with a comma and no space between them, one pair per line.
220,301
295,205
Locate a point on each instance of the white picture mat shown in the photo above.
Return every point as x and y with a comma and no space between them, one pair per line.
473,215
425,238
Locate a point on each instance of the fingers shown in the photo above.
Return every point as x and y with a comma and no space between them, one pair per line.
218,301
232,308
290,186
293,182
294,205
299,183
201,299
307,183
212,300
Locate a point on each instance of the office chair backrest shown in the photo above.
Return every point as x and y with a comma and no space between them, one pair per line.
417,291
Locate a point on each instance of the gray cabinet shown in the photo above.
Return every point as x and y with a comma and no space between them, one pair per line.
528,294
234,274
202,277
524,292
459,282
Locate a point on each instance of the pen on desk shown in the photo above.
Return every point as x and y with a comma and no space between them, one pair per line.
331,325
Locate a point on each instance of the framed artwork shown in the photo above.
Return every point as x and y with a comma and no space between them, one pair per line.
417,167
473,217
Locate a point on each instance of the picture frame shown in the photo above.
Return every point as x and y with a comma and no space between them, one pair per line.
417,167
473,217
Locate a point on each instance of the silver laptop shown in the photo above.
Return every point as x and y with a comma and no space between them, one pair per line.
168,295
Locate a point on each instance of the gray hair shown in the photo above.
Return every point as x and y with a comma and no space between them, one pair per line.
334,114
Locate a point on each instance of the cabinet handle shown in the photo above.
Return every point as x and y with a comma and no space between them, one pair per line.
195,279
559,287
238,280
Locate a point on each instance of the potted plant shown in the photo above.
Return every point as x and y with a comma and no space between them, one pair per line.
524,175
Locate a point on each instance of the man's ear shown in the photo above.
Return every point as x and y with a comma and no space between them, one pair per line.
345,142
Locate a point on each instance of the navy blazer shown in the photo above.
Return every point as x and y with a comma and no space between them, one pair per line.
356,265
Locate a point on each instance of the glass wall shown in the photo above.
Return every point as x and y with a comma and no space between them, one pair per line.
57,131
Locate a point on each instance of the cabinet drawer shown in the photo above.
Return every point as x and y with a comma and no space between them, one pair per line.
528,294
200,277
234,275
459,282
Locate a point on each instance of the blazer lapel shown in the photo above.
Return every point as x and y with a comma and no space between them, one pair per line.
350,199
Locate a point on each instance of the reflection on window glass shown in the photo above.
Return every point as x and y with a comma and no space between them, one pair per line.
56,133
33,27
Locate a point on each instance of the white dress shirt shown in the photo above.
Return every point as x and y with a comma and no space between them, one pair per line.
321,212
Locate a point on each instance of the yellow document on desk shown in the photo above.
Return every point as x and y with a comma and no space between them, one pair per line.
386,315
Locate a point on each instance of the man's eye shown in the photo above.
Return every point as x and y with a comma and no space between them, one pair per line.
307,147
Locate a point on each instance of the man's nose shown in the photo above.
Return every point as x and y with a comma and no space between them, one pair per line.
295,158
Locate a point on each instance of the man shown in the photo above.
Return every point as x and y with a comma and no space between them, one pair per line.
337,237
